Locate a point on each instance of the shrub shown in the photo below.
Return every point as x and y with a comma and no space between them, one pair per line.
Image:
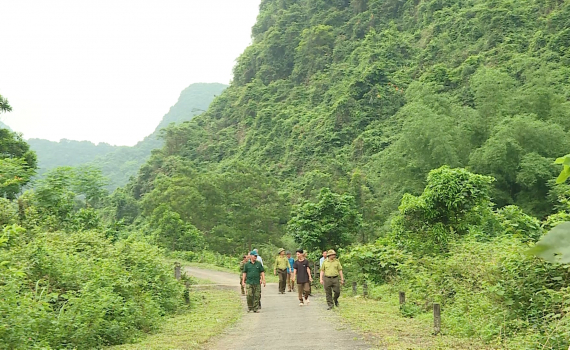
80,290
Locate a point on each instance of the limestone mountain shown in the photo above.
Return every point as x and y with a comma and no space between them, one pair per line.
118,163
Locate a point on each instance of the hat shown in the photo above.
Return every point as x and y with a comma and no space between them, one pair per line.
253,252
331,252
280,250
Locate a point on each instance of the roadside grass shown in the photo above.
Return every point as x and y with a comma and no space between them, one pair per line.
383,325
210,312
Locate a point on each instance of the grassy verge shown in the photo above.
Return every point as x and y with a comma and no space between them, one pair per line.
210,313
382,323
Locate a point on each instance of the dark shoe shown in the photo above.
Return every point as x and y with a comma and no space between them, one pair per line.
336,303
256,311
329,308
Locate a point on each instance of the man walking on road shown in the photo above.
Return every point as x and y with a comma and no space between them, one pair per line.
242,263
258,256
302,272
290,280
281,265
330,272
252,278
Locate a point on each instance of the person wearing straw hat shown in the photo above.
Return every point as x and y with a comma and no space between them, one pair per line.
281,265
252,278
331,270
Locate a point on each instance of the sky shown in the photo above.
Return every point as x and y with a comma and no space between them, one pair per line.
108,70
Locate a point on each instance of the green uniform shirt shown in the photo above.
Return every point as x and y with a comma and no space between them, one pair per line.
331,268
253,272
282,263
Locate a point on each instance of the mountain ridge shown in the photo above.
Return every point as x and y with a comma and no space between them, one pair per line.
118,163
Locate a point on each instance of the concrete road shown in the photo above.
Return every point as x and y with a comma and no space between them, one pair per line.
282,323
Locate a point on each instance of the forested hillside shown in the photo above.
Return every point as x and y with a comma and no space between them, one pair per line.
419,134
53,154
366,97
119,163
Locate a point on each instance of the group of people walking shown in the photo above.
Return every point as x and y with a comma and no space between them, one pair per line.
292,273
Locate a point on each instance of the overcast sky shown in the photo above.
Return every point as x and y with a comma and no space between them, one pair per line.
108,70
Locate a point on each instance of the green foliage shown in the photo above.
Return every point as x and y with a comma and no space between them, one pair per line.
173,233
235,209
17,163
4,105
330,223
452,201
565,173
79,290
555,245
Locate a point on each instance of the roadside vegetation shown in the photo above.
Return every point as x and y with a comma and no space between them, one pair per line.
416,138
210,312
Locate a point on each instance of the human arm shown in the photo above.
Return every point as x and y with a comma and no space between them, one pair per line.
263,278
322,274
309,272
243,279
341,276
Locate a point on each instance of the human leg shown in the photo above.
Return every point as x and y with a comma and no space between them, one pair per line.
249,288
256,297
242,287
289,282
328,291
306,290
336,290
300,292
282,280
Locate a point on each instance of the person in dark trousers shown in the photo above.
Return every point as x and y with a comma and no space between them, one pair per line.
290,280
302,273
281,265
252,278
330,272
244,260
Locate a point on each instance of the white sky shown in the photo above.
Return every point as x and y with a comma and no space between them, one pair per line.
108,70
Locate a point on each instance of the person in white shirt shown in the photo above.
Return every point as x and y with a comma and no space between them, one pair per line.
258,256
322,260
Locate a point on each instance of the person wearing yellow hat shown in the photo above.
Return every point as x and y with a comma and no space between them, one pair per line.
282,265
331,270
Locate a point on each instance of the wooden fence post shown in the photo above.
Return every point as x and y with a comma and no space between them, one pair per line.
177,273
365,289
353,288
436,319
402,296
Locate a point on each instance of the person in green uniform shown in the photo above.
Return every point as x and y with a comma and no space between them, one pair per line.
330,272
281,265
252,277
244,260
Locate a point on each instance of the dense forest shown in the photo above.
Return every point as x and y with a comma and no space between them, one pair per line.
415,136
119,163
418,138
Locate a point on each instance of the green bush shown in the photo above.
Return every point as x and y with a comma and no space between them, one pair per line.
80,290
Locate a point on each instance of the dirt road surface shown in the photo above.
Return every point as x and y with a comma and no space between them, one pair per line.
282,323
